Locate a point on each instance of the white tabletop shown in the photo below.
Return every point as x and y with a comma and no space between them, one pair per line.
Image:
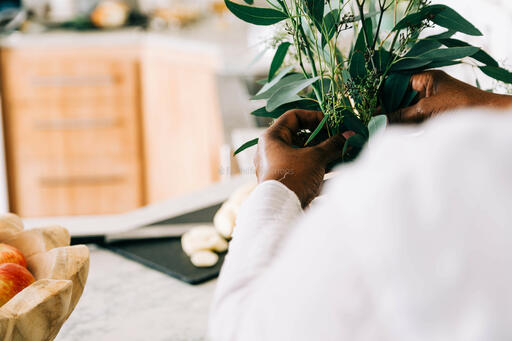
124,300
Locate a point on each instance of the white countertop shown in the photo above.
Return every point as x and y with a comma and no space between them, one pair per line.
124,300
147,215
226,40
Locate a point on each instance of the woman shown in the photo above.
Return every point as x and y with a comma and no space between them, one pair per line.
411,242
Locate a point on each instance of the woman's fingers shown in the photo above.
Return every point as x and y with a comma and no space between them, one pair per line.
331,149
289,124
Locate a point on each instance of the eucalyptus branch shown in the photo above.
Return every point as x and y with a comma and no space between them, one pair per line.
382,9
360,6
366,87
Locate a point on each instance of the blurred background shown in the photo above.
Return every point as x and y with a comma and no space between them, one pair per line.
111,105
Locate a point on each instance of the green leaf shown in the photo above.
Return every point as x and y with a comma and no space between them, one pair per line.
358,66
276,79
414,19
436,55
307,29
352,123
444,35
249,2
497,73
331,21
306,104
480,56
422,47
288,93
315,10
382,59
360,45
450,53
377,123
450,19
287,80
317,130
256,15
409,98
409,64
394,90
281,52
441,15
437,65
246,145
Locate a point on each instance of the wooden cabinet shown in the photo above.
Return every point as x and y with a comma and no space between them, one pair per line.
72,127
106,130
182,122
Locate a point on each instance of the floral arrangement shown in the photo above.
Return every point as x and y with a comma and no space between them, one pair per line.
372,75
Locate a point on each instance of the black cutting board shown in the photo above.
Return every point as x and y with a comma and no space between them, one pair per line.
166,255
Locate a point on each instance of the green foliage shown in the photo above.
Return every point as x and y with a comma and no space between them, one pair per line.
278,59
246,145
372,75
256,15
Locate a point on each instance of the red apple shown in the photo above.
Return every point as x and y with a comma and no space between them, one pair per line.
13,279
10,254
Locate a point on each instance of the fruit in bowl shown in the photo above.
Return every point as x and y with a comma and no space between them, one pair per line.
36,300
10,254
13,279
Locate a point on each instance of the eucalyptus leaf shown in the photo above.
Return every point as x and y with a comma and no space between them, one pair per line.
377,124
450,19
358,66
281,52
307,29
436,55
318,129
287,80
305,104
409,98
352,123
288,93
394,90
497,73
256,15
246,145
422,47
276,79
412,63
444,35
315,10
480,56
441,15
450,53
330,24
360,45
382,58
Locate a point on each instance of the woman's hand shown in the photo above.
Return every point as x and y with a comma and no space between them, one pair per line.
300,169
439,92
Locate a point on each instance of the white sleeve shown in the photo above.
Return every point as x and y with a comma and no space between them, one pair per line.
262,224
411,242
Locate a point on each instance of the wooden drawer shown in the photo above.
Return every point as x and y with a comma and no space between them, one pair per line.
68,74
72,129
77,187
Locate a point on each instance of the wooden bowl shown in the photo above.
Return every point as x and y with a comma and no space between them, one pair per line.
38,312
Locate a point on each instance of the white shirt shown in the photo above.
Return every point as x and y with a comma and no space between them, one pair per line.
411,242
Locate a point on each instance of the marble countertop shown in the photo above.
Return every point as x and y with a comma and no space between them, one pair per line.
124,300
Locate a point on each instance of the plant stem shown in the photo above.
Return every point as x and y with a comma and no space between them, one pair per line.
382,10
